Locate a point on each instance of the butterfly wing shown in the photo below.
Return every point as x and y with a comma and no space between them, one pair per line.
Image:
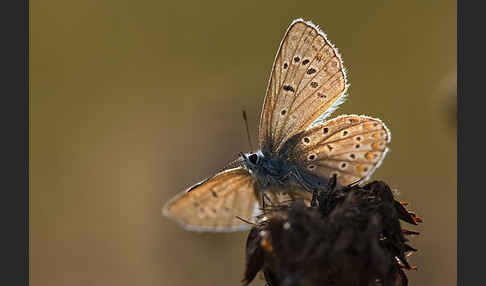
279,195
350,146
307,82
213,204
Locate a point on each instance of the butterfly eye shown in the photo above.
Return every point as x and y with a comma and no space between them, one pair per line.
253,158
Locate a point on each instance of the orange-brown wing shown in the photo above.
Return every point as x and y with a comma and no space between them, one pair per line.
213,205
281,196
307,82
350,146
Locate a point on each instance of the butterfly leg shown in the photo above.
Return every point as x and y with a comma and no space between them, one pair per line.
307,187
331,185
324,194
314,198
265,196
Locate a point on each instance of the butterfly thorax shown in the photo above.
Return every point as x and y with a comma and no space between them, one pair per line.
269,170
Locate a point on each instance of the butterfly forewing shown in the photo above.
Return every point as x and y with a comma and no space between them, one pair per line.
281,196
350,146
307,81
214,204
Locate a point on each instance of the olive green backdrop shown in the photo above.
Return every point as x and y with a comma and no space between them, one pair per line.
133,101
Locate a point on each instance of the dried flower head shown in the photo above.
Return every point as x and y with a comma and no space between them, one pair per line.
349,236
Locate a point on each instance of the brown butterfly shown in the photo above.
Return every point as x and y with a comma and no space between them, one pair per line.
299,150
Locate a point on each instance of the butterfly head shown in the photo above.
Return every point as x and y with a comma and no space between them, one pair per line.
253,160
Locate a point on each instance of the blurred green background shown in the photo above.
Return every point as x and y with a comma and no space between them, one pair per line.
133,101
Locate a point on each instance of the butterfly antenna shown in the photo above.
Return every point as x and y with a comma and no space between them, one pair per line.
245,221
247,129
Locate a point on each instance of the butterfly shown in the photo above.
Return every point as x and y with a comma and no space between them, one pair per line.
299,151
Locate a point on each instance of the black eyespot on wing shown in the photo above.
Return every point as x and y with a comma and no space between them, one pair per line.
288,88
311,71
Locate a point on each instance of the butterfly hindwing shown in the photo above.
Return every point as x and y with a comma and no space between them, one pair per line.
214,204
307,81
350,146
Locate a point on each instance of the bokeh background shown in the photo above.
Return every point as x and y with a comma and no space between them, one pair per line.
133,101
